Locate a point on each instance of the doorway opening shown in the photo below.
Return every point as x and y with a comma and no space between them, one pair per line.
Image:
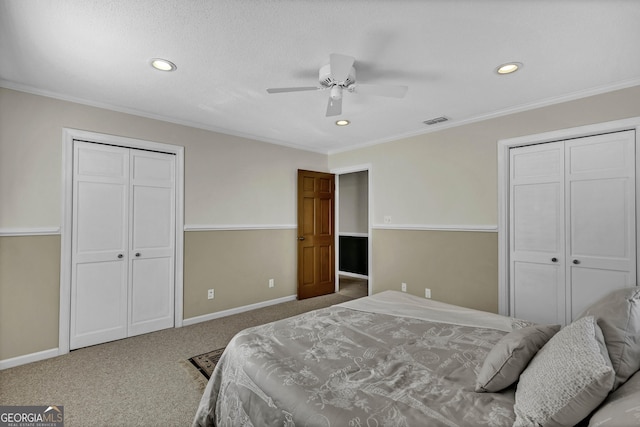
353,231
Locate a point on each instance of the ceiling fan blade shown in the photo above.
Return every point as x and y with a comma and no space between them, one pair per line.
340,66
334,107
381,90
292,89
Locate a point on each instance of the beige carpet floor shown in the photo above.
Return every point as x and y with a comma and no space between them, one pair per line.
353,286
138,381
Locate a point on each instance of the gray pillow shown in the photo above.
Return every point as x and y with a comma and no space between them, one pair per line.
621,408
618,315
568,378
508,358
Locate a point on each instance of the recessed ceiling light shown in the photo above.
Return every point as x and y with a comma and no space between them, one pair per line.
508,68
342,122
163,64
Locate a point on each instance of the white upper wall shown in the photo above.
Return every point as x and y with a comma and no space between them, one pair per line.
228,180
354,202
449,177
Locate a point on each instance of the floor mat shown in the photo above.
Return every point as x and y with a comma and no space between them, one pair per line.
206,362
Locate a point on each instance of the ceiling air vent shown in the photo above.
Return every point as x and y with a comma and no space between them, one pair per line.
435,120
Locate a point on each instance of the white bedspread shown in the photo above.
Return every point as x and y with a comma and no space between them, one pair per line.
402,304
390,359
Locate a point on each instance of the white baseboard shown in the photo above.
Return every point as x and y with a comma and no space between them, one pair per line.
28,358
237,310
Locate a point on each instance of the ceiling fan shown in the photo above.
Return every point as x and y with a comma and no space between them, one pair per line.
340,75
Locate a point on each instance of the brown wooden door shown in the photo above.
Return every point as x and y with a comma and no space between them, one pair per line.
316,240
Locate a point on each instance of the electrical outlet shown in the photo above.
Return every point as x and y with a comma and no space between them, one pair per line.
404,287
272,283
387,219
427,293
210,294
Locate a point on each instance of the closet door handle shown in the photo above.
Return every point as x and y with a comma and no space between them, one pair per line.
554,259
137,254
120,255
301,238
576,261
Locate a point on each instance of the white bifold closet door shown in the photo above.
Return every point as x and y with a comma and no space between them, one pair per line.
572,225
123,245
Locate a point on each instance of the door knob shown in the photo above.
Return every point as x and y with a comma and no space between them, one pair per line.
576,261
137,254
554,259
301,238
120,255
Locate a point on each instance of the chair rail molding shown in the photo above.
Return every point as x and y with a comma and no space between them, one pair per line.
29,231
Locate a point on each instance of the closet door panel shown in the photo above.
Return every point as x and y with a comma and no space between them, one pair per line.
100,314
592,284
537,254
601,242
101,218
123,243
99,244
152,242
152,217
537,208
602,155
539,295
152,294
600,219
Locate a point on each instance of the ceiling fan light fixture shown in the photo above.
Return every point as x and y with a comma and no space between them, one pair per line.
509,67
342,122
339,75
163,64
336,92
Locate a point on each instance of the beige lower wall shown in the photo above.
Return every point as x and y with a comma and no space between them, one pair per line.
238,266
29,294
459,267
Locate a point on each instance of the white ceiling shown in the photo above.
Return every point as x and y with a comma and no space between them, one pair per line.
228,52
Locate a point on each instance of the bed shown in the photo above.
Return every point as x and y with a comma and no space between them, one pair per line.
393,359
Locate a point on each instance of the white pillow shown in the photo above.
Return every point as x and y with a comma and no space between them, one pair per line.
621,408
618,316
568,378
508,358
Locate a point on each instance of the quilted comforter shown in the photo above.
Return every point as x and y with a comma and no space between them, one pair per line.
386,360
